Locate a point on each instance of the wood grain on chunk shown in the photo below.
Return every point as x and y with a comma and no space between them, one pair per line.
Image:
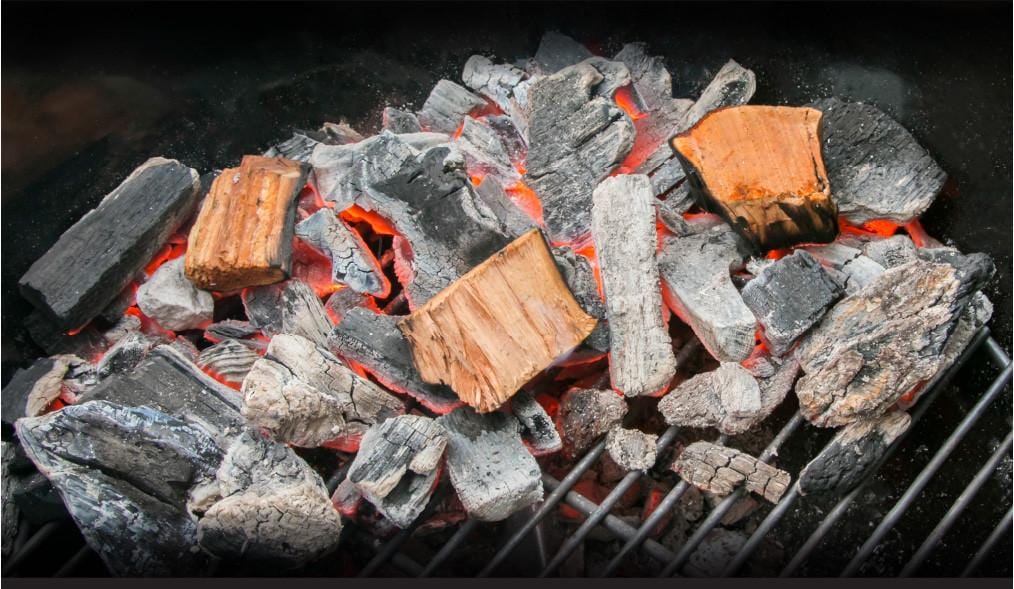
760,167
229,361
719,470
498,325
352,263
446,106
243,234
586,414
641,360
288,307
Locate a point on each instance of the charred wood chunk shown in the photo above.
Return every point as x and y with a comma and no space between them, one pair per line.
447,105
54,340
538,431
491,471
125,355
733,85
352,263
847,265
789,297
374,342
397,466
340,133
289,307
575,140
876,345
493,81
719,470
173,301
11,515
489,333
243,234
508,218
344,300
272,510
586,414
580,278
696,271
96,259
232,329
396,120
557,51
631,449
669,180
127,476
31,391
877,169
641,360
850,455
972,270
228,361
485,154
760,167
893,251
300,146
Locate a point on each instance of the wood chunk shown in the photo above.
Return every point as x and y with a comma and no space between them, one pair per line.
586,414
396,120
876,345
272,509
289,307
848,457
491,471
485,154
557,51
733,85
352,263
493,81
125,475
173,301
575,140
760,168
396,467
374,342
719,470
641,360
538,431
631,449
243,234
789,297
31,391
446,106
696,271
893,251
98,256
580,278
847,265
341,133
228,361
497,326
877,169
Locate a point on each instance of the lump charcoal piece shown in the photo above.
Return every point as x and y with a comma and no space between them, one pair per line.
733,85
485,153
641,360
878,344
31,391
696,270
715,552
124,326
849,265
631,449
37,499
972,270
538,430
509,219
300,146
374,342
290,410
669,177
126,475
340,133
577,273
344,300
125,355
231,329
287,307
11,513
98,256
893,251
586,414
396,120
447,105
789,297
491,471
848,457
494,81
397,466
81,377
876,168
273,510
53,340
352,263
575,140
557,51
719,470
228,360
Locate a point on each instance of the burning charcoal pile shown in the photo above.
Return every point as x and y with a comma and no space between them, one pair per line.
262,367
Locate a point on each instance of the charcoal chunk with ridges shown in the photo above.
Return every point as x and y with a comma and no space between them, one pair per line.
229,360
352,263
287,307
580,278
396,120
719,470
447,106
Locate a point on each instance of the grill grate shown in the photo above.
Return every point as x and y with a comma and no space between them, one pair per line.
598,515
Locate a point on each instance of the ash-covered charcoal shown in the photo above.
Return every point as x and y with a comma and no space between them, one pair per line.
733,85
494,81
491,471
876,345
696,271
271,509
229,360
11,515
848,457
447,106
580,278
719,470
972,270
485,154
287,307
876,168
122,327
397,466
300,146
670,211
893,251
127,476
352,263
81,377
509,219
290,410
396,120
537,428
631,449
374,342
31,391
344,300
125,355
96,259
557,51
789,297
347,498
669,179
716,550
576,139
847,264
231,329
586,414
641,360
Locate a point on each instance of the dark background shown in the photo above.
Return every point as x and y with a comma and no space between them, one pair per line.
92,90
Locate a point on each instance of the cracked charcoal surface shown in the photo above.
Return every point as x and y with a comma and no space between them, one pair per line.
351,261
586,414
719,470
396,120
287,307
631,449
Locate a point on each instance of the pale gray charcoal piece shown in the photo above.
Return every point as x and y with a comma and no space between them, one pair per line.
538,430
669,177
351,261
396,120
287,307
511,221
847,265
447,106
631,449
11,513
587,414
229,360
485,153
173,301
580,278
719,470
557,51
893,251
340,133
494,81
231,329
733,85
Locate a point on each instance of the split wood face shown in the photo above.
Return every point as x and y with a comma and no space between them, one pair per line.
761,168
498,325
243,234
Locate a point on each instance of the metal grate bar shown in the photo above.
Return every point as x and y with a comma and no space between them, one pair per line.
391,548
1001,530
29,547
957,508
448,549
74,562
